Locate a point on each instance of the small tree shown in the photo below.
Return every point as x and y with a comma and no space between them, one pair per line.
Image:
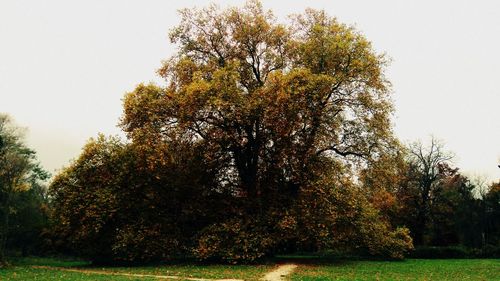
491,202
427,166
19,170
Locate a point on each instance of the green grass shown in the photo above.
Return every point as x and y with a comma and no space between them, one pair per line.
59,262
411,269
22,270
246,272
26,273
309,269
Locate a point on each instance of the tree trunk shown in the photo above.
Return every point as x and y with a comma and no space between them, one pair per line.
247,160
4,227
247,170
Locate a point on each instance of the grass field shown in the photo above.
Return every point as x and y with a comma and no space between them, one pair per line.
311,269
25,269
411,269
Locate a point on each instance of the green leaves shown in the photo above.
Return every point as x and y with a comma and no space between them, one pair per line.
19,172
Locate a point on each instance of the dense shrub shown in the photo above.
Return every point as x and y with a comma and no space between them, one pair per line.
28,222
114,204
336,214
234,241
143,241
490,251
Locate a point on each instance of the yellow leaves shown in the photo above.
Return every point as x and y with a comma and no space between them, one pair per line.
23,186
225,87
195,94
179,71
141,108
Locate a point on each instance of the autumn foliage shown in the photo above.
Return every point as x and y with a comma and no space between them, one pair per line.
252,147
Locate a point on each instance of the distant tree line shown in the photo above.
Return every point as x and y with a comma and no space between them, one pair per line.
419,188
267,138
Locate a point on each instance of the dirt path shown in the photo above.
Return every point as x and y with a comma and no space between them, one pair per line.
102,272
280,273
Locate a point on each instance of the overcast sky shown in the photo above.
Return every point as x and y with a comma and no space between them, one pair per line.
65,66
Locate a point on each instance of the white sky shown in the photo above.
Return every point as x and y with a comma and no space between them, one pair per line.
65,66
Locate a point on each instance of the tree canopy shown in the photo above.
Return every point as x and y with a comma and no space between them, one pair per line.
268,100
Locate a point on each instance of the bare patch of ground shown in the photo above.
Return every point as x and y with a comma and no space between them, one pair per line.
103,272
280,273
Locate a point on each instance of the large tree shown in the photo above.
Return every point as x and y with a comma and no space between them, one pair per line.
250,148
276,106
